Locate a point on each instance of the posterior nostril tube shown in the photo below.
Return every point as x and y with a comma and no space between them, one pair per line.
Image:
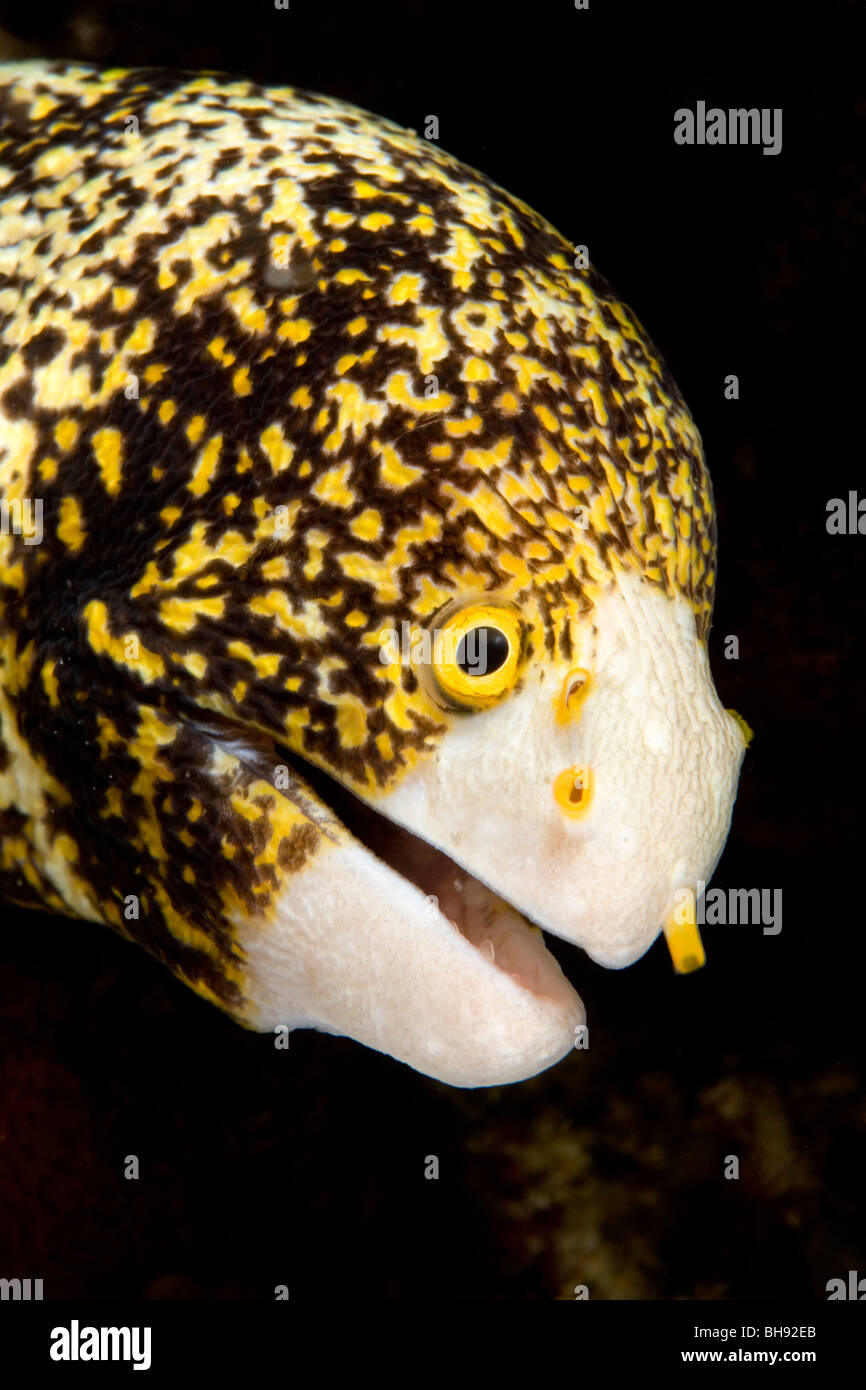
572,695
572,790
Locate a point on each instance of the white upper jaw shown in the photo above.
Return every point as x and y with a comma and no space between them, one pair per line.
504,938
501,934
664,757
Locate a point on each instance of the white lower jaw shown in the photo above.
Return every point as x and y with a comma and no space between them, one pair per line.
354,948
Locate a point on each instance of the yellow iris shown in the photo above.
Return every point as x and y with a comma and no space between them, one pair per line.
476,653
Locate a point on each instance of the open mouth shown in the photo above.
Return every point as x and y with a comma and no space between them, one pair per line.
505,939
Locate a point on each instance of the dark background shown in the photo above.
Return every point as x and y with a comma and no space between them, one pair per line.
306,1167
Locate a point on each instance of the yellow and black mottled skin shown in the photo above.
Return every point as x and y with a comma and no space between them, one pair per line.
283,376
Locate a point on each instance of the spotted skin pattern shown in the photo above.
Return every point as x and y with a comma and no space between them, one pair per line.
283,377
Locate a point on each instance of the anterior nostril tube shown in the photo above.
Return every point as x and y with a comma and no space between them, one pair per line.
572,790
683,934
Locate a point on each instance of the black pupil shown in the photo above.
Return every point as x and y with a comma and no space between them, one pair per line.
482,650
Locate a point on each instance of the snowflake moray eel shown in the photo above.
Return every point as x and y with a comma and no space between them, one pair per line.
362,634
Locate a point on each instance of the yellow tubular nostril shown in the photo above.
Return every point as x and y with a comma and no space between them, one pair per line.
572,790
745,729
572,695
684,938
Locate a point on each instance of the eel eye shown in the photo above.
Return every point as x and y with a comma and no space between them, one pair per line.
476,651
482,651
